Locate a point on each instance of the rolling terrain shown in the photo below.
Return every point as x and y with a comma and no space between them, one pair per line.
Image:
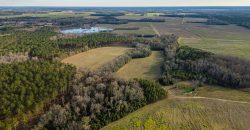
181,112
154,71
183,88
95,58
149,67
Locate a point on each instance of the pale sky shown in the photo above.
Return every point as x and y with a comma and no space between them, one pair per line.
124,2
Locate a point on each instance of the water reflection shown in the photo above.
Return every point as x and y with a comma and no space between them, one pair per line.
86,30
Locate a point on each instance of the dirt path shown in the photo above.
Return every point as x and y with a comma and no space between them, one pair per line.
4,35
155,30
217,39
217,99
172,95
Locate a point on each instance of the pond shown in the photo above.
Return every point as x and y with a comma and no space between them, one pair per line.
86,30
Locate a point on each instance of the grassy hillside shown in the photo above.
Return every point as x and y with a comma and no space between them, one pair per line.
208,107
181,113
223,93
94,58
149,67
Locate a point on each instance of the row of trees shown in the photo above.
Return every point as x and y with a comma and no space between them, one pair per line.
26,85
140,51
223,70
97,99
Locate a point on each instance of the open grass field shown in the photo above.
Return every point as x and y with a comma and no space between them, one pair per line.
149,67
187,114
220,39
144,28
153,14
238,48
95,58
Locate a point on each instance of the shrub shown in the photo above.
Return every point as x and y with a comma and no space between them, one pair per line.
152,90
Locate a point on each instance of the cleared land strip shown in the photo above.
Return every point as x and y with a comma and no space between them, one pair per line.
149,67
216,39
94,58
217,99
155,30
172,94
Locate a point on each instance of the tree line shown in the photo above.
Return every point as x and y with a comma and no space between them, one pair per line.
140,51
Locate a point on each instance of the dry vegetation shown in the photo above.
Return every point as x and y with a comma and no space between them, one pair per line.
18,57
94,58
149,67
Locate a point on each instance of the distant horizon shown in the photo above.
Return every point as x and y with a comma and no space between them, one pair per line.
121,6
124,3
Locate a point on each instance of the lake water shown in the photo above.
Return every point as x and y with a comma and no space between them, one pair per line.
86,30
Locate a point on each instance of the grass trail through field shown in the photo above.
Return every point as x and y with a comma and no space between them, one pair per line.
172,95
155,30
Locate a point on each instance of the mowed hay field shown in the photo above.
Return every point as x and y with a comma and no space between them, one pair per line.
187,114
95,58
148,67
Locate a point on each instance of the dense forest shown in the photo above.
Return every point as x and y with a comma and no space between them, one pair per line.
40,43
44,43
26,86
188,63
222,70
97,99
